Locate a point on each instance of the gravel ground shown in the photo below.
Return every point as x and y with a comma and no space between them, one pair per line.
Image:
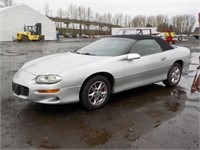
152,116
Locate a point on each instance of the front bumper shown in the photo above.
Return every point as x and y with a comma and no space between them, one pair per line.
27,80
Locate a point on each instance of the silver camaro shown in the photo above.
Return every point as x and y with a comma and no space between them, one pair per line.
92,73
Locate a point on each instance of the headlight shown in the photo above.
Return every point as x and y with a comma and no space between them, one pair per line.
48,79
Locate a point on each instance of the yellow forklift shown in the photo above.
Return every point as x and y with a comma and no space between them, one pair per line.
31,33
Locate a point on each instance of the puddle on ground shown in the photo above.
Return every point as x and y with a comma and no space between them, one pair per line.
94,138
172,106
11,54
46,145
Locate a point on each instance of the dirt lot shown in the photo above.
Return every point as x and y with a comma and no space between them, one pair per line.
153,116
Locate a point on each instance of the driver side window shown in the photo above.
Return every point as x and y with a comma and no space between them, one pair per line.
146,47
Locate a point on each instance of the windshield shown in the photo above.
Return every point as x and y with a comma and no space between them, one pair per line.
106,47
126,32
30,29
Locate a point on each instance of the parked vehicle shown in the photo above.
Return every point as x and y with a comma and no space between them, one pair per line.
85,36
196,33
169,37
91,74
135,31
67,35
197,36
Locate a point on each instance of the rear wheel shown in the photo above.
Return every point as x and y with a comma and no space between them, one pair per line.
41,38
95,92
174,75
25,39
180,38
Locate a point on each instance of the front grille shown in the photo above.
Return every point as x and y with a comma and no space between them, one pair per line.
20,89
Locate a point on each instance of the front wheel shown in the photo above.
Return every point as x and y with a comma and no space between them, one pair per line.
25,39
95,92
174,75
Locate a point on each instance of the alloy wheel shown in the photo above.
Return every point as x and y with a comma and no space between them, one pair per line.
97,93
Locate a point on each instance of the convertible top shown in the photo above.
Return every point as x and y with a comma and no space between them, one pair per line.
159,40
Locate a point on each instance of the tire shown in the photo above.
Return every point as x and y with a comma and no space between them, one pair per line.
173,42
25,39
95,93
41,38
174,75
180,38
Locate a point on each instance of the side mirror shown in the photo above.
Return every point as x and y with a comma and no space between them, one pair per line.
133,56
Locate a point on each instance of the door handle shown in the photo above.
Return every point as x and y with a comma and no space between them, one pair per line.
163,58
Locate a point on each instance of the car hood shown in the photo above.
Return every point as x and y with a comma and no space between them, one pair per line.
55,64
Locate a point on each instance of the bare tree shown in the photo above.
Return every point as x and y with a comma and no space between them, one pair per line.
183,23
179,24
80,11
162,23
66,14
191,20
105,18
84,16
160,19
126,21
60,14
81,16
139,21
109,17
97,16
89,14
118,19
46,9
72,11
1,4
100,18
129,21
151,20
6,3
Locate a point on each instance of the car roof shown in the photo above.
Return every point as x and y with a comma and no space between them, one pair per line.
165,46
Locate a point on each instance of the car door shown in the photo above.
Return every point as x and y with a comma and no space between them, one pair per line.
149,68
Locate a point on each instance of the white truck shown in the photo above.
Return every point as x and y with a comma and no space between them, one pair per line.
135,31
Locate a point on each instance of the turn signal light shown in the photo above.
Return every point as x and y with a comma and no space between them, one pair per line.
49,91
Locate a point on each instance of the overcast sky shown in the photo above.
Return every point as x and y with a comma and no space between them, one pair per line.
130,7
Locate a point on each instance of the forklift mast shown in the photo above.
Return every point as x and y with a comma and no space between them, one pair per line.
38,28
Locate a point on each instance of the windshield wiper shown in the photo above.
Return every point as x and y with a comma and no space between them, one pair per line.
76,52
86,54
